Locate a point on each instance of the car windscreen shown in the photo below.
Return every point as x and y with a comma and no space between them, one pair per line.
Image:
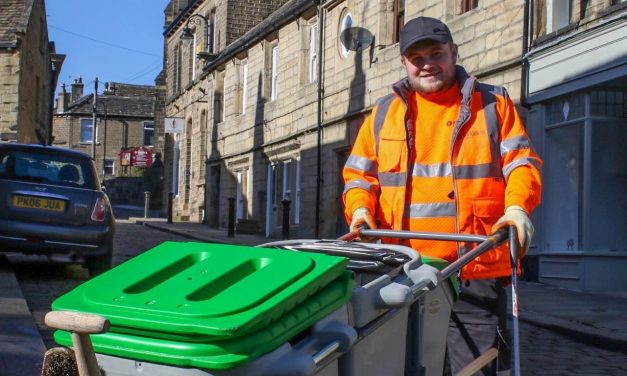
46,168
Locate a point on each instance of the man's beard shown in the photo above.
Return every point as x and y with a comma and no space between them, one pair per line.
427,88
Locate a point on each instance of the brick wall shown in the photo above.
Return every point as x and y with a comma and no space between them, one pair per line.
243,15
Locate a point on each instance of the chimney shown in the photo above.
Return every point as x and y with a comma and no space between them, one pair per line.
109,88
62,100
77,89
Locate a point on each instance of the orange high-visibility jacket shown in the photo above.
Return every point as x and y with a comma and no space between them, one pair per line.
492,165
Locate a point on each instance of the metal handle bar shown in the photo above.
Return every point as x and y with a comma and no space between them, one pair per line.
444,236
325,352
486,242
492,241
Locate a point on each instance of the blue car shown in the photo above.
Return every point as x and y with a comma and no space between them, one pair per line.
51,202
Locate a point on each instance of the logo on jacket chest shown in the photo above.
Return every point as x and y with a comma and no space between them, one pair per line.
475,133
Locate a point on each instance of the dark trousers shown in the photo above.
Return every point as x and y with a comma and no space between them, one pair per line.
479,322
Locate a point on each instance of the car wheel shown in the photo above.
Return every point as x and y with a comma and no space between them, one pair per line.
101,263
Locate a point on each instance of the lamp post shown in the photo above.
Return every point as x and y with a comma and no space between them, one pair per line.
93,121
187,34
104,143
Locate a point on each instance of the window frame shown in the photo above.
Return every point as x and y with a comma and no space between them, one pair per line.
313,53
399,19
546,18
468,5
211,42
83,125
193,56
274,72
219,100
344,24
145,128
108,164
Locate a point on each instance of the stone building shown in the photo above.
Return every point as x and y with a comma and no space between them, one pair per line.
577,97
268,138
212,26
279,111
29,68
126,118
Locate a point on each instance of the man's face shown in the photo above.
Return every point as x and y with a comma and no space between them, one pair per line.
430,66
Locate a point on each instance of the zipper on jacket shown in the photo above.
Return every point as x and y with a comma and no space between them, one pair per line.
458,128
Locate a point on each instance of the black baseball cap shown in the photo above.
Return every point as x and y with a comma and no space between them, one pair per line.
423,28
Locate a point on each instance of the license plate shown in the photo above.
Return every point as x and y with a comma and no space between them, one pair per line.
33,202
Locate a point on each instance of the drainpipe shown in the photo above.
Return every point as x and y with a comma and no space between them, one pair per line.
320,96
524,78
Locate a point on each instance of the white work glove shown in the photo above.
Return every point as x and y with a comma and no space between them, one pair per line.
517,216
362,218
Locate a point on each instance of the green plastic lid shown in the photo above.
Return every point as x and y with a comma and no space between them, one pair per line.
224,353
195,291
440,264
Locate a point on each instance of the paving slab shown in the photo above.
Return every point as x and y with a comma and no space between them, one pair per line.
21,346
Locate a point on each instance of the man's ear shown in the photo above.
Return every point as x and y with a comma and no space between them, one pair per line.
454,52
402,60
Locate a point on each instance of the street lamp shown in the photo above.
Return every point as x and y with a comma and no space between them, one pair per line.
187,34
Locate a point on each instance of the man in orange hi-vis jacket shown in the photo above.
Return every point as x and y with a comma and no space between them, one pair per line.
446,153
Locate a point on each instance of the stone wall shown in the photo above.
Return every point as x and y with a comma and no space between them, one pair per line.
10,77
25,103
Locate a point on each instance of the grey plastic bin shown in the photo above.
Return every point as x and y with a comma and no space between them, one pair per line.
313,355
401,316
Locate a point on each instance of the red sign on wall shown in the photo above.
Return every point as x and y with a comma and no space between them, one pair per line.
125,158
141,156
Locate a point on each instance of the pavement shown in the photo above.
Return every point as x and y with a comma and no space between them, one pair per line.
594,318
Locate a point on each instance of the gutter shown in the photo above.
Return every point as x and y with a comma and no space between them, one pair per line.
524,74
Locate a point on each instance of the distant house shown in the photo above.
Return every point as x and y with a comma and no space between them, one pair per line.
29,68
125,120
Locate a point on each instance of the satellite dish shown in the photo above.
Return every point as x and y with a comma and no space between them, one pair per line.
356,38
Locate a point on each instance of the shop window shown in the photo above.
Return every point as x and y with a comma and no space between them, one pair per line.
563,188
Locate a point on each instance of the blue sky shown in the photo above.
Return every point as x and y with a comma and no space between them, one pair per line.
114,40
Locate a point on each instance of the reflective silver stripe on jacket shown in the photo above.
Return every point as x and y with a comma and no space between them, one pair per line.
392,179
488,97
361,164
527,161
432,170
432,210
357,183
516,143
485,170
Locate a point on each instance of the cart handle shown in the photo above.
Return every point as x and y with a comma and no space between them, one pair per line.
486,242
